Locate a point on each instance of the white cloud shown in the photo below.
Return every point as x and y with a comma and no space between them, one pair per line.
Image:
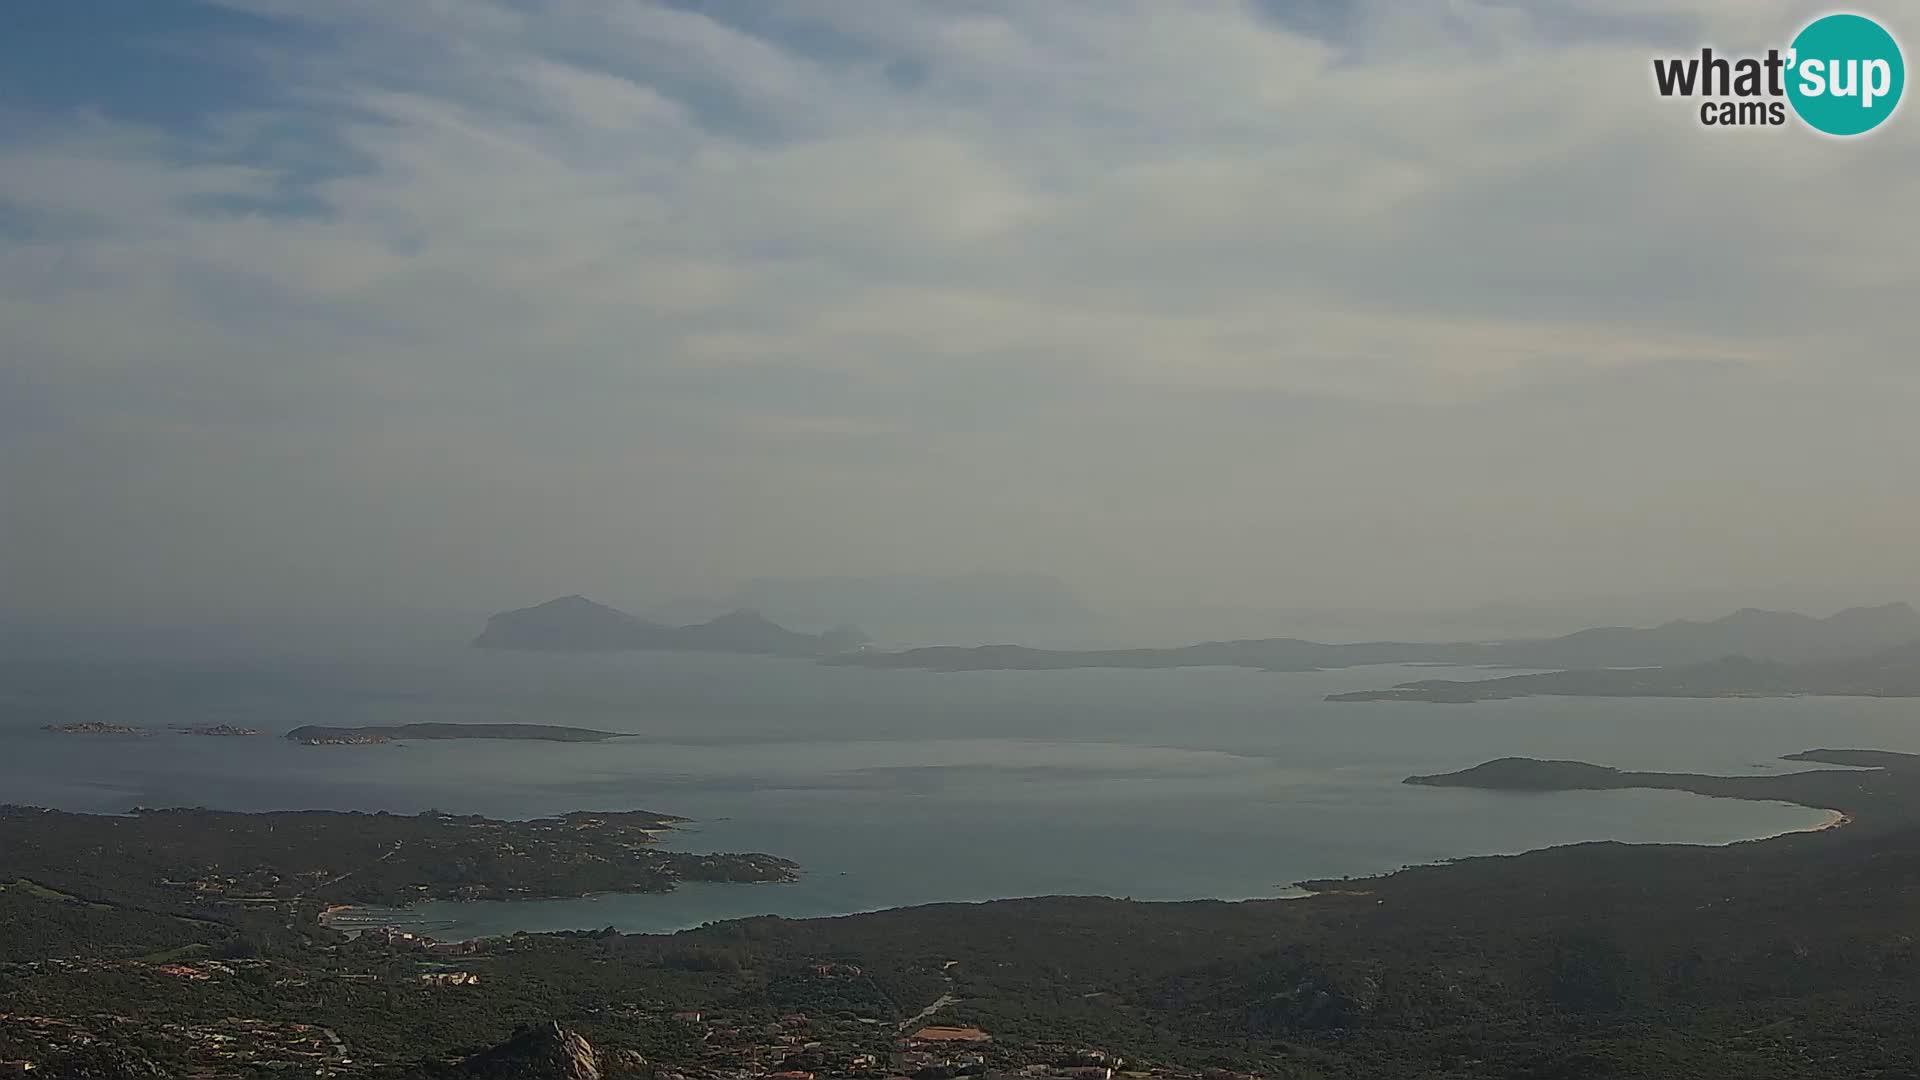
715,266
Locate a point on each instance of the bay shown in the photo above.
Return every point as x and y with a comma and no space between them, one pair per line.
898,787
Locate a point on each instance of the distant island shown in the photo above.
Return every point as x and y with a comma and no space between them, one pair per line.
95,727
315,735
577,624
1778,636
218,730
1890,673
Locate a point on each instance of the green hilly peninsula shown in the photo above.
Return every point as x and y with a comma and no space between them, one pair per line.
1864,790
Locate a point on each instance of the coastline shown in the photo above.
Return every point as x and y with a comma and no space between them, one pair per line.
1835,819
1335,830
457,920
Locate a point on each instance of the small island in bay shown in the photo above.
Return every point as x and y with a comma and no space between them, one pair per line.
218,730
95,727
316,735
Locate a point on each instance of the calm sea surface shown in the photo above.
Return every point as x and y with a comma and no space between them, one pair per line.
894,788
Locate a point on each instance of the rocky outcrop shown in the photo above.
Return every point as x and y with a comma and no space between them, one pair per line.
550,1052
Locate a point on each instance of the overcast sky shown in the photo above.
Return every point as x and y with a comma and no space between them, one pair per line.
465,303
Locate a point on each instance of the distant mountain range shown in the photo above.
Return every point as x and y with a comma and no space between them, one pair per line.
1779,636
1784,636
903,608
577,624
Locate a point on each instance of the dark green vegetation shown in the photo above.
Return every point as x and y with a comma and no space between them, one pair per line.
36,920
317,735
214,865
1787,958
1764,635
1891,673
576,624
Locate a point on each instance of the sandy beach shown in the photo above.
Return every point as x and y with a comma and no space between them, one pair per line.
1835,819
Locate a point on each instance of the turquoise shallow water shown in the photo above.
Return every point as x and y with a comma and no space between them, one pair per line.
895,788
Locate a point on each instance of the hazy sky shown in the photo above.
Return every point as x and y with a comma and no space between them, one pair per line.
464,303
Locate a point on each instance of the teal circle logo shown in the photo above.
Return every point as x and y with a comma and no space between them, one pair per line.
1846,74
